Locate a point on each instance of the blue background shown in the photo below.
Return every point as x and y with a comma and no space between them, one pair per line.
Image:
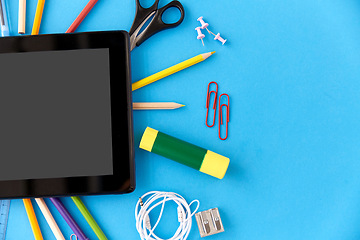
291,69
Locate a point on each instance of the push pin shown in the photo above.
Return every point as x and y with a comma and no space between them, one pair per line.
217,37
204,25
200,35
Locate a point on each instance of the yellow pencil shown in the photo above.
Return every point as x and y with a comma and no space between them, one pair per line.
156,105
171,70
32,219
38,16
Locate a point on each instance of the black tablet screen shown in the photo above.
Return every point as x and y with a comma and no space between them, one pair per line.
55,114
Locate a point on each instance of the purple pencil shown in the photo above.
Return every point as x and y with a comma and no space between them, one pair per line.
68,218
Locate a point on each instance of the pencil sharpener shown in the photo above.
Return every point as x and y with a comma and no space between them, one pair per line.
209,222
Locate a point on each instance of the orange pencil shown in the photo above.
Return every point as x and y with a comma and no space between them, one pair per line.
38,16
32,219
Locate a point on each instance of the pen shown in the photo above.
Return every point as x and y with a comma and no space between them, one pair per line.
32,219
4,20
68,218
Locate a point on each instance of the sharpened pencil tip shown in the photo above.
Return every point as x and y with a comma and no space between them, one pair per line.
212,52
182,105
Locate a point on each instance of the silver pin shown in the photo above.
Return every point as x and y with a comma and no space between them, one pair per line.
209,222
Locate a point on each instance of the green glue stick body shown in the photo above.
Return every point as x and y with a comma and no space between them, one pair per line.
183,152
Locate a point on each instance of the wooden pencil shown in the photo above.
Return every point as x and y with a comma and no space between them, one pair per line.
32,219
91,221
171,70
38,16
81,16
50,219
156,105
22,16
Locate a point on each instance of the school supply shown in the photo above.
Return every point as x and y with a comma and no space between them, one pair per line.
73,235
95,68
200,35
32,219
176,68
4,216
4,21
22,16
209,222
91,221
68,218
156,24
221,106
38,16
81,16
157,198
183,152
156,105
50,219
204,24
217,37
227,106
208,96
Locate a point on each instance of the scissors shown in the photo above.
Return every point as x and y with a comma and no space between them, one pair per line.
156,24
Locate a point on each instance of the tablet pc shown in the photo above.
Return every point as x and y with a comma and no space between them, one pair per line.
66,124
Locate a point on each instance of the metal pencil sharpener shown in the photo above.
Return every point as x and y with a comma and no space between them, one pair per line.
209,222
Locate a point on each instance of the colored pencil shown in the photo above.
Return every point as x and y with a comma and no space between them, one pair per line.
91,221
156,105
68,218
171,70
38,16
81,16
22,16
50,219
32,219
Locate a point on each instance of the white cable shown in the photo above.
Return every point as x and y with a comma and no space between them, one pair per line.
142,211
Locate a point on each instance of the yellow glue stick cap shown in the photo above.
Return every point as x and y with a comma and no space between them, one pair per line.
214,164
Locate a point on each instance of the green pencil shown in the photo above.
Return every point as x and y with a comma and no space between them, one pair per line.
91,221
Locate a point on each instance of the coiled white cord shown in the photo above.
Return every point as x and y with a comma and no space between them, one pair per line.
156,198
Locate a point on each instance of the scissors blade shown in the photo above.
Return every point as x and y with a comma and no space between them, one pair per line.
134,37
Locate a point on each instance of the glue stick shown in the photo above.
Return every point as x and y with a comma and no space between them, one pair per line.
183,152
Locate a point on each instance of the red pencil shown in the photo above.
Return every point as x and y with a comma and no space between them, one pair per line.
81,16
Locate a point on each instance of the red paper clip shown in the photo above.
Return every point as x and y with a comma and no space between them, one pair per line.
221,116
208,103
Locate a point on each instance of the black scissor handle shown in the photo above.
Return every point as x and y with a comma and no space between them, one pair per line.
141,14
157,24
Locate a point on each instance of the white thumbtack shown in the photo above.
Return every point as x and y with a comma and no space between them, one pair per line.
204,25
217,37
200,35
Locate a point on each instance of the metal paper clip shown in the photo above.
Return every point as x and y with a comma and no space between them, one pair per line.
221,115
208,103
209,222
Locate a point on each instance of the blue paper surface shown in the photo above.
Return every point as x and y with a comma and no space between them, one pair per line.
291,69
